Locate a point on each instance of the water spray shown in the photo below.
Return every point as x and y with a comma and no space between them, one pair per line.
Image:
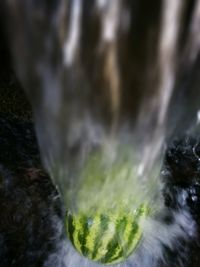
101,128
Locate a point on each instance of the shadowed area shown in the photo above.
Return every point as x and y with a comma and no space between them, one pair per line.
30,207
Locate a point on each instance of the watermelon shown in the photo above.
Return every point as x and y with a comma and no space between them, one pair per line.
108,237
104,223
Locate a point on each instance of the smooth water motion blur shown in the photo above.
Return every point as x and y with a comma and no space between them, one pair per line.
113,79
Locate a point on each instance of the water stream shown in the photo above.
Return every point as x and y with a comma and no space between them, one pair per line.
112,79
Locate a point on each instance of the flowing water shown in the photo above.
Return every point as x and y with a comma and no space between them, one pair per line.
115,79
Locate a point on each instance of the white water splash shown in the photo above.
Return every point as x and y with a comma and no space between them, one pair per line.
110,19
71,44
167,54
157,236
170,27
193,47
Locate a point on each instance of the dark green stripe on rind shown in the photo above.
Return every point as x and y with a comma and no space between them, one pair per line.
133,239
136,233
114,248
103,227
83,235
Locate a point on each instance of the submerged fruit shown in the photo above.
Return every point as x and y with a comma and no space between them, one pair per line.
109,202
108,237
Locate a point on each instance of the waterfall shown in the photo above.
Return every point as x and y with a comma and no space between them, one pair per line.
105,80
